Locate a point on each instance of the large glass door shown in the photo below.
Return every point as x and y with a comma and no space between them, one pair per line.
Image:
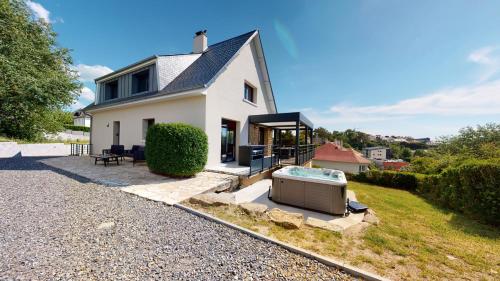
228,141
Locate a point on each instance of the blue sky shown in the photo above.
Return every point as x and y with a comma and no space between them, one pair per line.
419,68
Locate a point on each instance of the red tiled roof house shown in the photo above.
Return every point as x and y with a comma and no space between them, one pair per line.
332,156
396,166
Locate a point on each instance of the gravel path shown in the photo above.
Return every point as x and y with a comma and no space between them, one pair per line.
57,227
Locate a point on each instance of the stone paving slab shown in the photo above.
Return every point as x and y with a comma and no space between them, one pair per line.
140,181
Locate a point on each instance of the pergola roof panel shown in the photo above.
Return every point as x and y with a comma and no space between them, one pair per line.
281,120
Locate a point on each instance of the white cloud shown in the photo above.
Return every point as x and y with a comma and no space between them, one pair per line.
87,94
39,11
91,72
483,55
77,105
480,99
489,59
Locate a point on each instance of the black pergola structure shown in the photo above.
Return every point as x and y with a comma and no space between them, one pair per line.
291,121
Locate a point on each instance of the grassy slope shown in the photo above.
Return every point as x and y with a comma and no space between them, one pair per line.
421,235
412,242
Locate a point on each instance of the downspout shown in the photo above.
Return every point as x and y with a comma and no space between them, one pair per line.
90,136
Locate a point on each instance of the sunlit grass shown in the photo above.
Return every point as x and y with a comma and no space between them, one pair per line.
415,240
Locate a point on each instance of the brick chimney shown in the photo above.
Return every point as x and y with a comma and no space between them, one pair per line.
200,42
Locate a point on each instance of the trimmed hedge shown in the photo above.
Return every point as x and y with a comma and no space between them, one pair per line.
176,149
472,188
77,128
394,179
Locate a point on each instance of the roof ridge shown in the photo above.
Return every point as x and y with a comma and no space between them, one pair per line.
232,38
172,55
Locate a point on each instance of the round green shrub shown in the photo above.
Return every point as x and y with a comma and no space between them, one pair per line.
176,149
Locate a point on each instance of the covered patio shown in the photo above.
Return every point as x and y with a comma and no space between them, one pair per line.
292,135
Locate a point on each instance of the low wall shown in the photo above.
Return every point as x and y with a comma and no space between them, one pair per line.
11,149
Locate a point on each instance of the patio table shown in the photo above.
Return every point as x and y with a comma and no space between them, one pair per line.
106,158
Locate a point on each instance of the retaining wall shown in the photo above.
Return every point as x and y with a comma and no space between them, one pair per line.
13,149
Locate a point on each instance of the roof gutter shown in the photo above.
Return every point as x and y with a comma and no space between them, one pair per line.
190,93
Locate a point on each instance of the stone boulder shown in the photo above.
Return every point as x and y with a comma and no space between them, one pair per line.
370,217
312,222
253,209
285,219
212,199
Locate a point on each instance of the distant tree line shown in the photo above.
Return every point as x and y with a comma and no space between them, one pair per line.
479,143
359,140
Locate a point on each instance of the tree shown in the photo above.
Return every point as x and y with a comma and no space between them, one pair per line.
36,80
406,154
322,133
472,141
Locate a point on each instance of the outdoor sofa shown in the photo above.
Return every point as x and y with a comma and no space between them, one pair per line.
136,153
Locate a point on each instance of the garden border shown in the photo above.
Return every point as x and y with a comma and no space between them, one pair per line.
322,259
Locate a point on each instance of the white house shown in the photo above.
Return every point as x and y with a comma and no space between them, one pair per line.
377,152
80,119
216,88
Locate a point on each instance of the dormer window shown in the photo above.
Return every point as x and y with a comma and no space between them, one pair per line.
249,93
140,82
111,90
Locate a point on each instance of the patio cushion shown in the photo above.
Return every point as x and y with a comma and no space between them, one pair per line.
117,149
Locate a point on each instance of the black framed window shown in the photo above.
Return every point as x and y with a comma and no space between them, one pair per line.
146,123
140,82
111,90
249,93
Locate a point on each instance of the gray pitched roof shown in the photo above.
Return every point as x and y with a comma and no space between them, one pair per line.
206,67
197,75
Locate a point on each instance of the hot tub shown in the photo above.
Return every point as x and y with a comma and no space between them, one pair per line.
321,190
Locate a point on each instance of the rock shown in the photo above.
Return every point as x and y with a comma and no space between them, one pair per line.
451,258
286,219
212,199
253,209
201,199
312,222
357,229
370,217
106,225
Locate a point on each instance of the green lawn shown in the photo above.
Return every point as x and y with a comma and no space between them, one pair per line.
420,237
415,240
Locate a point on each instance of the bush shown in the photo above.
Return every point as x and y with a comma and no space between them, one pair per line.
472,188
176,149
77,128
401,180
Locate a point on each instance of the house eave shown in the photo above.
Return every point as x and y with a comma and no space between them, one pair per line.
127,69
156,98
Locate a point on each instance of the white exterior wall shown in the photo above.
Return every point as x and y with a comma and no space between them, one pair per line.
82,121
225,100
187,110
352,168
377,153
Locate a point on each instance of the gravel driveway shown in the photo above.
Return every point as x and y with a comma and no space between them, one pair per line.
57,226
